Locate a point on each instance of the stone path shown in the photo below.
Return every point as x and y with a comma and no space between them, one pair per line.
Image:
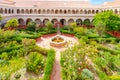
56,75
45,43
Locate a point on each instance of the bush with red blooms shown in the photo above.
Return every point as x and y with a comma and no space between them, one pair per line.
58,23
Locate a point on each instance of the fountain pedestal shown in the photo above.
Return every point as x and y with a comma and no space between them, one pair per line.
58,41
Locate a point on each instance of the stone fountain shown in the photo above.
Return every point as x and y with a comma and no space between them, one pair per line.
58,41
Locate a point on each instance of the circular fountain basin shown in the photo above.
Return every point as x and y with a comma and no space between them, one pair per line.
58,41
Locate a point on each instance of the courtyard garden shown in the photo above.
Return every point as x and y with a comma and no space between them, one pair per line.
90,53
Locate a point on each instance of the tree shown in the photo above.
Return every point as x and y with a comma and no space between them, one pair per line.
100,28
31,26
49,25
86,22
72,26
12,23
111,20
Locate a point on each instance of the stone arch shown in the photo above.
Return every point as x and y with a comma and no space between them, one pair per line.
28,20
38,21
89,11
18,11
97,11
81,11
115,11
35,11
70,21
27,11
5,11
48,11
31,11
111,10
21,21
12,11
79,22
101,10
73,11
56,11
54,20
61,11
1,11
52,11
9,11
93,11
45,20
108,10
65,12
22,11
63,21
86,22
39,11
43,11
69,11
85,11
77,11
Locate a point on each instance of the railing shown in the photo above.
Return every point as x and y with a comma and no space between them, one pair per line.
49,15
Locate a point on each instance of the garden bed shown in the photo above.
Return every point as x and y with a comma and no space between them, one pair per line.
115,33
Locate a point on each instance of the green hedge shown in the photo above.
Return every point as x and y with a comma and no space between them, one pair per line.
106,39
8,49
108,50
49,64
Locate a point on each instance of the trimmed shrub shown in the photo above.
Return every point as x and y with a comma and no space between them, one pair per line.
38,49
49,64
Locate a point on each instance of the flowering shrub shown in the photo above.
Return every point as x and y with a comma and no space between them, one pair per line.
35,62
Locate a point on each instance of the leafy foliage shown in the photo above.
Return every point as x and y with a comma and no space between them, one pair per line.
0,17
35,62
101,61
49,25
6,35
87,74
11,67
79,31
111,20
100,28
73,24
86,22
12,23
31,26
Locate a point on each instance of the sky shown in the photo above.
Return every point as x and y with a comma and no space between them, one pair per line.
97,2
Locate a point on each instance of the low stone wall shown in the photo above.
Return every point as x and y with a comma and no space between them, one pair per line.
58,45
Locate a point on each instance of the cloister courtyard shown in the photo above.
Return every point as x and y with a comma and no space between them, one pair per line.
72,40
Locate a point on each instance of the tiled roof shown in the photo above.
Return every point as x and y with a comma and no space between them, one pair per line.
48,3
